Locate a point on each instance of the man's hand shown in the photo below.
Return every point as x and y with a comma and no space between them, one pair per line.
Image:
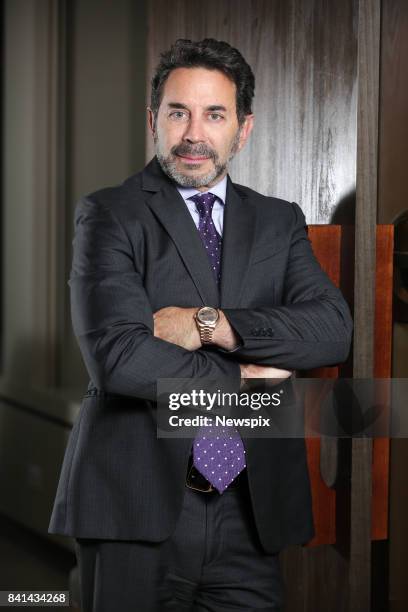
224,335
177,325
251,370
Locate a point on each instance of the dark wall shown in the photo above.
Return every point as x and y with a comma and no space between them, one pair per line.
392,201
393,141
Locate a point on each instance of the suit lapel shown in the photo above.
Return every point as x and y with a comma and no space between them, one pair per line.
237,244
170,209
238,237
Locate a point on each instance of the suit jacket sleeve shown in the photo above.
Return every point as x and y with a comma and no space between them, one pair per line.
113,320
312,327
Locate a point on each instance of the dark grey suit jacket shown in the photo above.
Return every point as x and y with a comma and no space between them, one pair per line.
136,250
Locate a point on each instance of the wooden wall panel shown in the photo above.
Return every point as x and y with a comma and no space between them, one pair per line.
326,246
303,53
364,293
322,454
382,369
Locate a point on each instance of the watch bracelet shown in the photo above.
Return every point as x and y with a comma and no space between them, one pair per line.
206,334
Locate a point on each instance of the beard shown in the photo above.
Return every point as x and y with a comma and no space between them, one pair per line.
168,162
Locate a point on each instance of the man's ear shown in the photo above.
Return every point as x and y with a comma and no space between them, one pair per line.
245,130
151,121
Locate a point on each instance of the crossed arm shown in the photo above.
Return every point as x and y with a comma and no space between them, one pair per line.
311,328
177,325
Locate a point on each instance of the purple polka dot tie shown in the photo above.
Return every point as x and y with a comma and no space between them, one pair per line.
218,452
211,239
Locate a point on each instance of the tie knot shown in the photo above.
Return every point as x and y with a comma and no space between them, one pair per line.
204,203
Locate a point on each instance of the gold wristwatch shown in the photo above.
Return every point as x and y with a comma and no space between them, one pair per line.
206,319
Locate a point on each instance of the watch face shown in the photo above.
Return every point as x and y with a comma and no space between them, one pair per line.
207,315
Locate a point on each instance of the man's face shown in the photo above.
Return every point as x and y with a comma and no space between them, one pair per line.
197,132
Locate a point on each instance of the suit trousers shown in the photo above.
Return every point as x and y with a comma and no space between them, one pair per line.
213,562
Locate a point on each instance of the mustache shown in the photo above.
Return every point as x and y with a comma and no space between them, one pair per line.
199,150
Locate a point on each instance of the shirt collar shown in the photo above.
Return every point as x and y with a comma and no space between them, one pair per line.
220,190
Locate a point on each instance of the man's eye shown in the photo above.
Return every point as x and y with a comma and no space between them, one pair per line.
215,116
178,115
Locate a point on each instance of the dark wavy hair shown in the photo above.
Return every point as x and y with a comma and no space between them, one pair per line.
213,55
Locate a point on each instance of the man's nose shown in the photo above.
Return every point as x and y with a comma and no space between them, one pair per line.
195,131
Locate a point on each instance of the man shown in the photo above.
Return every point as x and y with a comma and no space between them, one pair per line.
179,273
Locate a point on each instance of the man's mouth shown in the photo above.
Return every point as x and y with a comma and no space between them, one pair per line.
193,159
